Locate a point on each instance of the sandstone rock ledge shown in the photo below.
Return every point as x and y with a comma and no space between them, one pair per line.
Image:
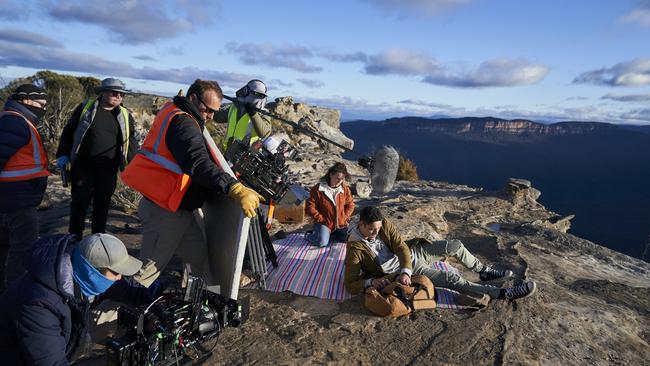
592,306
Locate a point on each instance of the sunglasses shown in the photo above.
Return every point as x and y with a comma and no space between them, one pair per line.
116,93
207,109
258,94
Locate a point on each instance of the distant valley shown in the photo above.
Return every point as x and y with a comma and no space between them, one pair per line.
600,172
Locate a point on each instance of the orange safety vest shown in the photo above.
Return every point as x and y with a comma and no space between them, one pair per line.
30,161
154,172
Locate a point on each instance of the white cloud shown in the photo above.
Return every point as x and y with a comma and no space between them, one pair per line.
422,103
426,8
640,16
26,37
286,56
394,61
342,57
576,98
637,115
311,83
589,113
279,83
630,73
627,98
136,21
173,51
144,58
495,72
403,62
14,10
352,109
13,54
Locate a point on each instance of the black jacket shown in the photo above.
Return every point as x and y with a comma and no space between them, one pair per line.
41,320
14,134
66,143
185,141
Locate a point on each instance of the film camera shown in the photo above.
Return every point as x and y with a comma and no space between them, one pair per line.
172,330
262,166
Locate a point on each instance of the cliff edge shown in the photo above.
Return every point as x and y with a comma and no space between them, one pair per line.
592,305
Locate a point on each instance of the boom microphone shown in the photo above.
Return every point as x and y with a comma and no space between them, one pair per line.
383,166
384,170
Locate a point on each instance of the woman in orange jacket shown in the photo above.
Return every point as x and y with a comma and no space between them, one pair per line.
330,204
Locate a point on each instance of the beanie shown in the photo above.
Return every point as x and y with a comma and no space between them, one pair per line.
28,91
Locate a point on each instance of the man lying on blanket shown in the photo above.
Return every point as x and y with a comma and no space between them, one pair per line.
375,249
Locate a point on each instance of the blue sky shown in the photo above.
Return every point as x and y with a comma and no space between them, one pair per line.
541,60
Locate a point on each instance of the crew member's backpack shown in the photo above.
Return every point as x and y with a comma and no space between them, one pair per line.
396,299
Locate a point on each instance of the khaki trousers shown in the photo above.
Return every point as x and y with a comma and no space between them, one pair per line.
165,234
426,254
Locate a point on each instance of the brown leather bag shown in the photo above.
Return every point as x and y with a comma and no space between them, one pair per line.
396,299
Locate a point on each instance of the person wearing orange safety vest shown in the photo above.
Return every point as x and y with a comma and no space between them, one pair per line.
23,177
244,123
176,171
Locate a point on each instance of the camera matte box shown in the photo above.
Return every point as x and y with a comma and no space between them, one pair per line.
226,231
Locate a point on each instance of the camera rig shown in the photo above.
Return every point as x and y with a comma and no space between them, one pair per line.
172,329
364,160
262,166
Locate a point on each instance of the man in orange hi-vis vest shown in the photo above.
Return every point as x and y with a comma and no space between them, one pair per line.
176,171
23,177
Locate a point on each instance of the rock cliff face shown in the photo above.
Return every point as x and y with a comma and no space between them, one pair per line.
315,155
599,174
592,305
324,121
487,125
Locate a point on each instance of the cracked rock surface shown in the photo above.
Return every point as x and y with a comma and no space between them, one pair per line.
592,305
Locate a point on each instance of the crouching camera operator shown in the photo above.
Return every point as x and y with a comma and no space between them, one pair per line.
45,314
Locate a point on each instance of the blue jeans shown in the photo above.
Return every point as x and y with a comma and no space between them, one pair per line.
321,235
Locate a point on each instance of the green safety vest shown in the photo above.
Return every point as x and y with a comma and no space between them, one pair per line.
239,129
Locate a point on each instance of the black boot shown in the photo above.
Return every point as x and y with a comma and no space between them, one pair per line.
489,273
518,292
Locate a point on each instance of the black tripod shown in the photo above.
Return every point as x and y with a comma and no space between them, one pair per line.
259,249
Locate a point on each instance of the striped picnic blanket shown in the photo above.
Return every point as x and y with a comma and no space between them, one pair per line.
308,270
305,269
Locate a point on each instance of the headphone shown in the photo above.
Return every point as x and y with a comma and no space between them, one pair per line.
244,90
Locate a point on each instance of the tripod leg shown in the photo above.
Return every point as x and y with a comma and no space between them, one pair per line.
271,256
253,252
259,251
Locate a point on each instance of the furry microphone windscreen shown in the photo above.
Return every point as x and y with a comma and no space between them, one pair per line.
384,171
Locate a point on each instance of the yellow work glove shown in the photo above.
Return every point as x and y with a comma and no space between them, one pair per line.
248,198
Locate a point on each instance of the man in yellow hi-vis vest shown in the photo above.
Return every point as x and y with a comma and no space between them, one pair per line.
244,123
98,141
